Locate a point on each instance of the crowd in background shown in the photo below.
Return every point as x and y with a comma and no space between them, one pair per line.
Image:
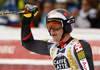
86,12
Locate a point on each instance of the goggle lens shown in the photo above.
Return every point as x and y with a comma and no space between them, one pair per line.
56,25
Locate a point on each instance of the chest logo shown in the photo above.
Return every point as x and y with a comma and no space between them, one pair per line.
61,50
78,47
61,62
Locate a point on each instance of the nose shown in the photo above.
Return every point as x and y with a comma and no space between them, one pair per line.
52,30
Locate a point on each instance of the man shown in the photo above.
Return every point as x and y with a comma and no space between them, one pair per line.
67,53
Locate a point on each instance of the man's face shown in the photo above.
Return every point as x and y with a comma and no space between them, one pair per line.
56,34
55,29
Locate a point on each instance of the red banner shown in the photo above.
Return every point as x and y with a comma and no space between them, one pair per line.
95,46
13,49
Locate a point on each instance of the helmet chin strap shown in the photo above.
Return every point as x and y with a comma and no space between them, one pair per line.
49,31
63,36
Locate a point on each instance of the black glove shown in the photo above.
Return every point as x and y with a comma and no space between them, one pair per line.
30,12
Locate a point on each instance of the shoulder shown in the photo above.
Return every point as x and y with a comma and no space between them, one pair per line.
81,44
86,46
51,41
81,41
46,40
84,43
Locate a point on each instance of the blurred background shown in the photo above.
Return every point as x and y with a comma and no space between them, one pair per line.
14,57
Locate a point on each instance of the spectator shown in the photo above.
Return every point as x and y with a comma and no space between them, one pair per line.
72,7
20,4
2,3
79,4
9,19
60,5
60,1
98,14
87,15
75,12
47,7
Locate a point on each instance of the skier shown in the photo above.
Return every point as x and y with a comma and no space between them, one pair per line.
67,53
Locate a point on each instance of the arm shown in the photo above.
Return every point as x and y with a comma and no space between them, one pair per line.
83,54
28,41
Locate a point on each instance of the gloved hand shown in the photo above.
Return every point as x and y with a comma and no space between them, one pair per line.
30,10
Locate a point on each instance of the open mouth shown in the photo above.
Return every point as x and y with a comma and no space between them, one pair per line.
54,35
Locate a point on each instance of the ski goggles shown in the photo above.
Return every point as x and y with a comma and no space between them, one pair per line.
54,24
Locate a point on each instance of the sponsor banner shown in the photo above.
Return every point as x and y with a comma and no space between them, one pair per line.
26,67
95,46
13,49
30,67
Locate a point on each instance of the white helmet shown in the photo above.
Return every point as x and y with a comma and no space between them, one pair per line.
63,15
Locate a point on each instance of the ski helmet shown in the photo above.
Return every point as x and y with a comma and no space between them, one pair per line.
64,16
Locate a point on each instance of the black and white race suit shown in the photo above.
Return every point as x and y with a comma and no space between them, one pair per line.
74,54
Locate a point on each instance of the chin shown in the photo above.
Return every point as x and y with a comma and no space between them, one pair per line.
53,39
56,40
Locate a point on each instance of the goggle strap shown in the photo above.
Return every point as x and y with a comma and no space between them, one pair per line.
62,23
